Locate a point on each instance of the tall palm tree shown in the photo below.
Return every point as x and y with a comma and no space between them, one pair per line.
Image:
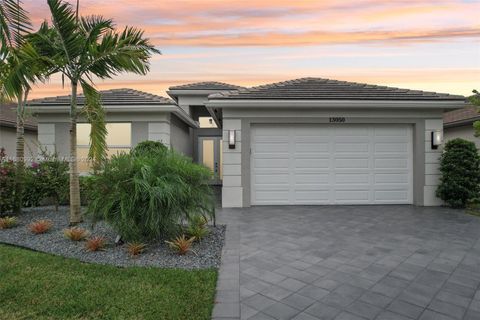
20,67
84,48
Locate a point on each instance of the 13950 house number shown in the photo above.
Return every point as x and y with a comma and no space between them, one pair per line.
337,119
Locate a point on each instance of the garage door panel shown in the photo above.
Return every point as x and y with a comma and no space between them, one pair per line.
311,178
352,178
332,164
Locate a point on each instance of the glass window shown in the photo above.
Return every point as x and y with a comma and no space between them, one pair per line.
207,122
119,139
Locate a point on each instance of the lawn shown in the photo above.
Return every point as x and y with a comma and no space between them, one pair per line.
42,286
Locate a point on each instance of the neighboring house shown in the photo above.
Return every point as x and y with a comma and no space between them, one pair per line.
459,124
306,141
8,136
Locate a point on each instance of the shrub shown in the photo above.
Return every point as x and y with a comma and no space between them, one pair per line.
181,244
75,233
197,227
7,183
95,243
136,248
8,222
40,226
149,148
460,169
144,197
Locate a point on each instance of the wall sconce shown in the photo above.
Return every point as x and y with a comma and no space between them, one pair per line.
231,139
437,139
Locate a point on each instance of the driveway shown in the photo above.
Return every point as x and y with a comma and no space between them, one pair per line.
349,262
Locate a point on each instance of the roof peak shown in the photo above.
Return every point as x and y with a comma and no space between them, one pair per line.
206,85
315,88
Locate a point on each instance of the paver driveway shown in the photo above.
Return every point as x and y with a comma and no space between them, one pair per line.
349,262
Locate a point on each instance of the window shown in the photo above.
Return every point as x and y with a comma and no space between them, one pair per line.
119,139
207,122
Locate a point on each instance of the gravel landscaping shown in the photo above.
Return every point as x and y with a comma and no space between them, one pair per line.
207,252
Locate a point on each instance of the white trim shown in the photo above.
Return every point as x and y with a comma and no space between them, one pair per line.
166,108
255,103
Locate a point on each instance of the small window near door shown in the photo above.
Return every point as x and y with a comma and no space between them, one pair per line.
207,122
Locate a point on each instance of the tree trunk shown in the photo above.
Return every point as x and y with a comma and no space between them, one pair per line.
75,213
20,155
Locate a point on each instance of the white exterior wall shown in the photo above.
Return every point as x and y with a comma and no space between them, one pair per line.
432,163
159,131
465,132
232,190
46,137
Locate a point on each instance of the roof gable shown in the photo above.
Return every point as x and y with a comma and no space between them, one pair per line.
109,97
8,117
326,89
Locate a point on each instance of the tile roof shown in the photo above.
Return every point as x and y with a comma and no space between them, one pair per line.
109,97
208,85
326,89
461,116
8,117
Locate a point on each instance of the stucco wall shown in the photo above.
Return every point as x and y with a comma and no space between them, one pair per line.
8,141
236,162
465,132
180,137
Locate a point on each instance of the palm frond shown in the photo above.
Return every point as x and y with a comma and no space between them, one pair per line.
127,51
14,25
66,26
95,115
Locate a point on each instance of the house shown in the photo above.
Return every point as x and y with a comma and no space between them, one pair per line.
459,124
308,141
8,121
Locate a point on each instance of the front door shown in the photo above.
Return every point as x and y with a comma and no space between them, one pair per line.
210,155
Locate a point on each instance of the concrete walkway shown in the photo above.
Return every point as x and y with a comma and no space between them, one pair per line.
349,262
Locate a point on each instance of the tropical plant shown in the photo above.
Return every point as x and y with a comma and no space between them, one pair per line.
40,226
136,248
197,227
8,222
181,244
152,148
475,100
83,48
75,234
95,243
460,169
147,197
20,67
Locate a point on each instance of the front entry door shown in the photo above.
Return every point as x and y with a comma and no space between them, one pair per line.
210,155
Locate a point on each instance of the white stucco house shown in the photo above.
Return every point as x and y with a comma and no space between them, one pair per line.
309,141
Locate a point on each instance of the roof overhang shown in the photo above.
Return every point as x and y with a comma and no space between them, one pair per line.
460,123
291,103
179,112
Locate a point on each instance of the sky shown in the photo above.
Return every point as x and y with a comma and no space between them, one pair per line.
431,45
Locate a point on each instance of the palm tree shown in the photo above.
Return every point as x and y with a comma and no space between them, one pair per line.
84,48
20,67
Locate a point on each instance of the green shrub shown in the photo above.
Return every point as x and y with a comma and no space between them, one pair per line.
86,186
460,168
7,183
145,197
152,148
46,180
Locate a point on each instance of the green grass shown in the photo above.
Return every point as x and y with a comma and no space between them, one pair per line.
40,286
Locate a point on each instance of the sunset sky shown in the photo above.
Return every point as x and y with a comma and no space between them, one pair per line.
427,44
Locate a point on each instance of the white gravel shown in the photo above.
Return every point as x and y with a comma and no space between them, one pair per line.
207,252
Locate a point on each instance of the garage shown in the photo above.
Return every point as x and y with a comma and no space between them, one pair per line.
322,164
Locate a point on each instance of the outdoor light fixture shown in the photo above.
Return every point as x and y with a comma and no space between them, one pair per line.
437,139
231,139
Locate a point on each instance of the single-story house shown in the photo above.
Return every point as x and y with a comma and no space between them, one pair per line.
8,132
309,141
459,124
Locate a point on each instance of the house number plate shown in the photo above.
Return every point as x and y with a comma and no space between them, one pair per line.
337,119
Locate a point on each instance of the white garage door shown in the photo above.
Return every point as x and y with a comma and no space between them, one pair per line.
331,164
